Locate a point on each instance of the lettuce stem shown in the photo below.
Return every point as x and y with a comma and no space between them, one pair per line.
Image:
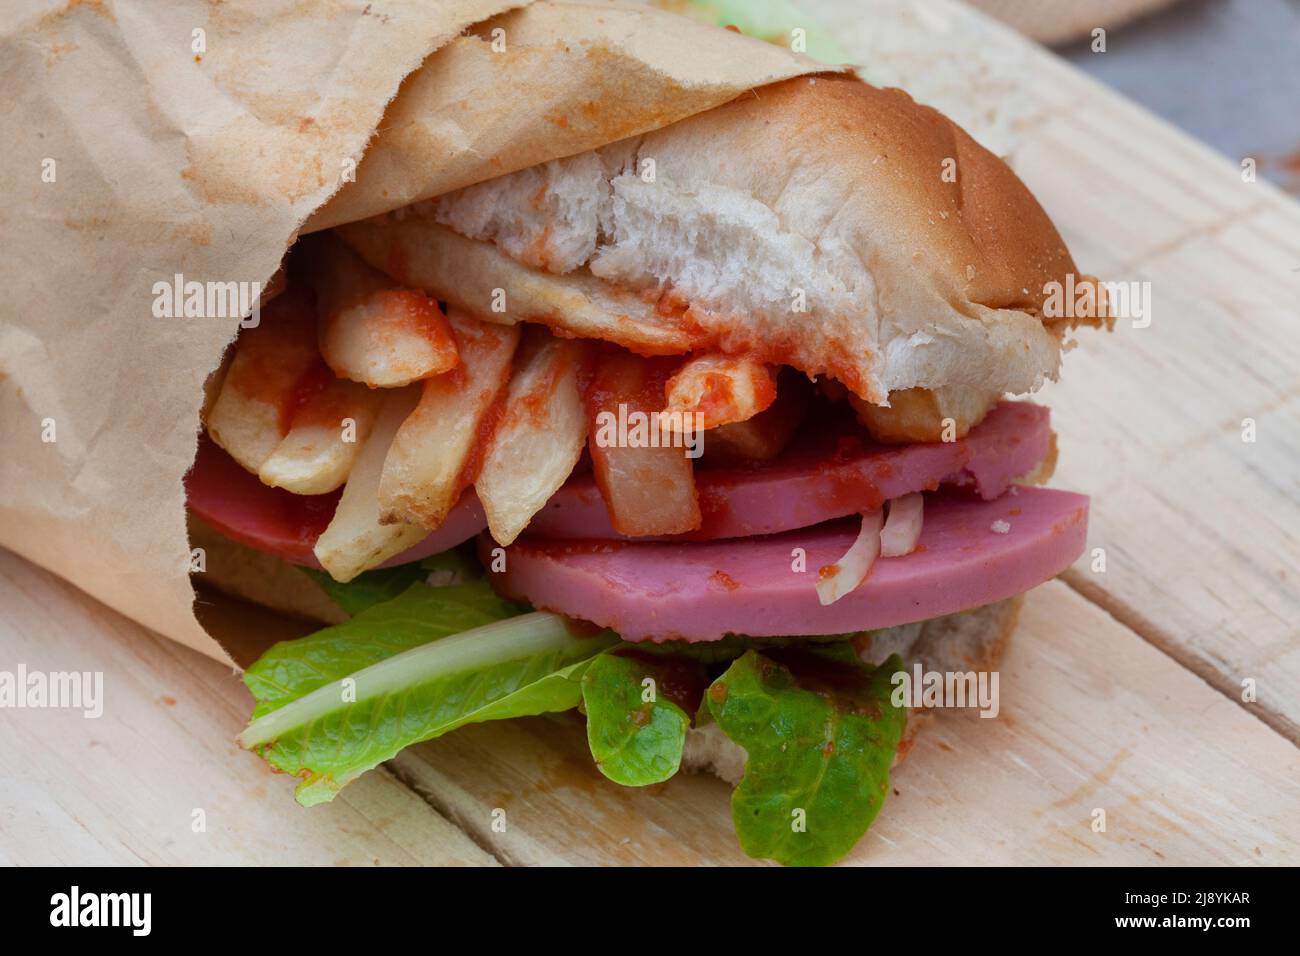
515,637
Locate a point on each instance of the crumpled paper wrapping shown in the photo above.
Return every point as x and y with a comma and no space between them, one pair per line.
143,140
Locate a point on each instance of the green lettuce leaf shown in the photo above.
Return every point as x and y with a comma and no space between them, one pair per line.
771,20
383,584
337,703
369,588
636,731
291,669
820,737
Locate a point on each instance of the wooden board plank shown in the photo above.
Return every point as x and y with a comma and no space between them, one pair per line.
1201,530
1092,717
122,788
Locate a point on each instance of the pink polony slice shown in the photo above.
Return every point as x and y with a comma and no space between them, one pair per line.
830,473
971,553
236,503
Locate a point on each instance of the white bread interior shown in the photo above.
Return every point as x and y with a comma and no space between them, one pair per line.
920,257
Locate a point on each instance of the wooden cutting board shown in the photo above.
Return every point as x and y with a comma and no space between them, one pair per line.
1121,691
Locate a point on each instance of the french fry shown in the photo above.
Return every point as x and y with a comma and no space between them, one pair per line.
721,388
213,384
332,420
254,408
371,331
540,436
764,436
648,485
434,455
356,540
923,414
482,280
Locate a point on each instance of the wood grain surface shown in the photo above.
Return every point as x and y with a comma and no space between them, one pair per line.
1093,718
1201,527
123,788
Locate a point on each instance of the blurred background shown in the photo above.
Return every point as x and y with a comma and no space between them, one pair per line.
1225,71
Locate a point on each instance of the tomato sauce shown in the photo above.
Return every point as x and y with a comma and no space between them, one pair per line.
308,401
487,426
638,482
715,510
412,312
725,580
272,356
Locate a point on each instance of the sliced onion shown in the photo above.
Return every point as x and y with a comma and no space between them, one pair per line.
903,528
444,578
836,580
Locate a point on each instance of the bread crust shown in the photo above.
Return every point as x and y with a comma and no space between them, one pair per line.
886,155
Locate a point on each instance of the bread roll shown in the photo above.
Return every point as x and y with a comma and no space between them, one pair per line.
820,223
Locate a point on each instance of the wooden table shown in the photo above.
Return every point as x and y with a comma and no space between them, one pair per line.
1122,690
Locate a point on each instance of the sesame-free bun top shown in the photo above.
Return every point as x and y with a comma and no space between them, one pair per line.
819,222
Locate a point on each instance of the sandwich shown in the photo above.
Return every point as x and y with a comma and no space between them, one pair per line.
704,435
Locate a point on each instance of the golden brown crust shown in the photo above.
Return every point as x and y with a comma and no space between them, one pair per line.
962,204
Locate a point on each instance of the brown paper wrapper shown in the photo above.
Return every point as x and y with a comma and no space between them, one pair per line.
149,140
